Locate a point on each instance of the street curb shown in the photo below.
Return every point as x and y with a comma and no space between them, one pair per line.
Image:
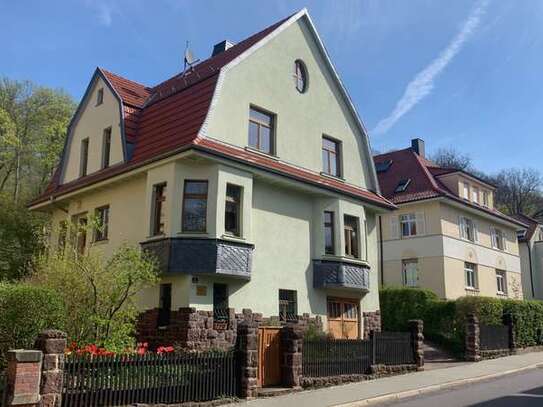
434,388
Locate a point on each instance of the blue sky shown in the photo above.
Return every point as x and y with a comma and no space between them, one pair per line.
464,74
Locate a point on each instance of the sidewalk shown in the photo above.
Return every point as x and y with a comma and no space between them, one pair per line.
409,384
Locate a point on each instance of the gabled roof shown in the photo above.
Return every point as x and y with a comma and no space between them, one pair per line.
533,225
424,176
169,118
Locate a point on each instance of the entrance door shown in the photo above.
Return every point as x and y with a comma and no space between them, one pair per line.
343,318
269,357
220,302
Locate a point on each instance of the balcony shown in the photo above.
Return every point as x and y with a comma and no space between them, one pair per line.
211,257
342,275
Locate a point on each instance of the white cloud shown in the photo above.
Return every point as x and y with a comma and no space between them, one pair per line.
423,83
104,10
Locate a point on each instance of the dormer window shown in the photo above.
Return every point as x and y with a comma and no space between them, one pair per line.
402,185
100,97
485,198
466,190
475,194
383,166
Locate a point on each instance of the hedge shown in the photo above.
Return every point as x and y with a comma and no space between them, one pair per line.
25,311
444,321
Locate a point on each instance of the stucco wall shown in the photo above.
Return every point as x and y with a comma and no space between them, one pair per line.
91,124
432,219
265,80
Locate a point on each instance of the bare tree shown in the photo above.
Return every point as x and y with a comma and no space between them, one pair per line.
519,191
451,158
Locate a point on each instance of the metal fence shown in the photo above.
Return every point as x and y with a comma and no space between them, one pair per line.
494,337
150,378
331,357
3,385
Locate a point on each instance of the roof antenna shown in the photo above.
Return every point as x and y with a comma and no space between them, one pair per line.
188,60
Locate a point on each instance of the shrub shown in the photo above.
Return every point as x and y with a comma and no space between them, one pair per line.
398,305
24,312
528,317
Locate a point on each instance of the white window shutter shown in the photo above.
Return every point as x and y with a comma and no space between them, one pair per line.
394,227
421,223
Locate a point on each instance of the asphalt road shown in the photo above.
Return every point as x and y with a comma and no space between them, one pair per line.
517,390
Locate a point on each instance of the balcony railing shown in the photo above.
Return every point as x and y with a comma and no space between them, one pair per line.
339,274
202,256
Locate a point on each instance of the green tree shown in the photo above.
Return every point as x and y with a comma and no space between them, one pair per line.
99,293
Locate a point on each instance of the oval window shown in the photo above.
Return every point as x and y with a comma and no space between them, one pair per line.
300,76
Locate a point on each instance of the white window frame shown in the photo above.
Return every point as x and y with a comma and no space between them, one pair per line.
475,195
470,275
410,220
466,191
497,236
410,281
501,279
485,199
465,230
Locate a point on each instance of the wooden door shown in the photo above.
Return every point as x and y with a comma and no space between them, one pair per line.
269,357
343,320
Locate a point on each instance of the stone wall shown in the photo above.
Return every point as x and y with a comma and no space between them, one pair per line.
190,329
371,322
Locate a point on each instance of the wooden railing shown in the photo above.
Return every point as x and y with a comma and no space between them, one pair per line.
150,378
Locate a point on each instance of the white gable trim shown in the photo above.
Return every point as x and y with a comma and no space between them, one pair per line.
80,108
322,48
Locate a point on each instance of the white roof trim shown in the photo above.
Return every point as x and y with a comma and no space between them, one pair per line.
343,90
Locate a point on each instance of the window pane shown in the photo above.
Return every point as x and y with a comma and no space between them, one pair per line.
334,310
333,165
329,144
265,139
261,117
196,187
325,163
194,215
253,135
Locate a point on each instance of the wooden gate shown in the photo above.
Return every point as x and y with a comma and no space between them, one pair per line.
269,356
343,321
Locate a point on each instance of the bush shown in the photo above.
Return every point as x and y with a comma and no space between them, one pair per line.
398,305
24,312
528,317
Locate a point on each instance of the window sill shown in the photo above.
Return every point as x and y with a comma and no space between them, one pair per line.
472,289
193,234
501,294
262,153
334,177
346,259
155,237
100,242
234,238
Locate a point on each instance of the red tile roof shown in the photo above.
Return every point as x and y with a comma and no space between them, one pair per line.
167,118
424,181
532,224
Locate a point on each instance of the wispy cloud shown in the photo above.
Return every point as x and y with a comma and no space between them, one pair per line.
343,18
423,83
104,10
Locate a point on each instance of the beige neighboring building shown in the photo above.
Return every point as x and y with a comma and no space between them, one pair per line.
446,234
531,257
250,175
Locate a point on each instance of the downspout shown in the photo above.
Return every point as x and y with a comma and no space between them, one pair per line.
381,262
531,269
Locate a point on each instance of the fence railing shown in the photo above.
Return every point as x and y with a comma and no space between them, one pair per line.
494,337
150,378
329,357
3,385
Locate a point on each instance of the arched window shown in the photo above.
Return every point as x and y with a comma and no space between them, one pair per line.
300,76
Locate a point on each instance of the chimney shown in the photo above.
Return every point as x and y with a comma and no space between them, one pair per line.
221,47
417,145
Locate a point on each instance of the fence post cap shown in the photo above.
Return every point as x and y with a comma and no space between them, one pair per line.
24,356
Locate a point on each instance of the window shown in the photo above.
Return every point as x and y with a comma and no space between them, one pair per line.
331,157
402,185
62,233
383,166
106,147
100,97
158,221
351,236
467,229
288,305
84,157
165,305
475,193
410,272
470,270
501,282
329,232
195,206
497,238
466,190
408,224
80,222
232,213
102,220
485,198
300,76
261,131
220,302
